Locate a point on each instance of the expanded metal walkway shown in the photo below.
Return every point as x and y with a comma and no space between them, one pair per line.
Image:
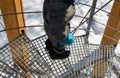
79,65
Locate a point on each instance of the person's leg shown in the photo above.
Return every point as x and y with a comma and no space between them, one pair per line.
65,20
56,20
51,43
60,22
56,26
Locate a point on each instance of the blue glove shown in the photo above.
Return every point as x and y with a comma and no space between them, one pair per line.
69,40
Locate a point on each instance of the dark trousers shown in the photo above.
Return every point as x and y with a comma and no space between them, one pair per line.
57,16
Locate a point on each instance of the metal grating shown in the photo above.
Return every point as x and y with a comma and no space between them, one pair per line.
22,55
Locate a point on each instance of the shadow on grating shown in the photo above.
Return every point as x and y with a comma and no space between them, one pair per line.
23,55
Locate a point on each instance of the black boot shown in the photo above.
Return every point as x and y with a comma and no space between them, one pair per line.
58,54
48,44
55,53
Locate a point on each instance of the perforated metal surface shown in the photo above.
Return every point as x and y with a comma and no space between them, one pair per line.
79,64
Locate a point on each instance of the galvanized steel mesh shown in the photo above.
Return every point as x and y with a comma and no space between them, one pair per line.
22,55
